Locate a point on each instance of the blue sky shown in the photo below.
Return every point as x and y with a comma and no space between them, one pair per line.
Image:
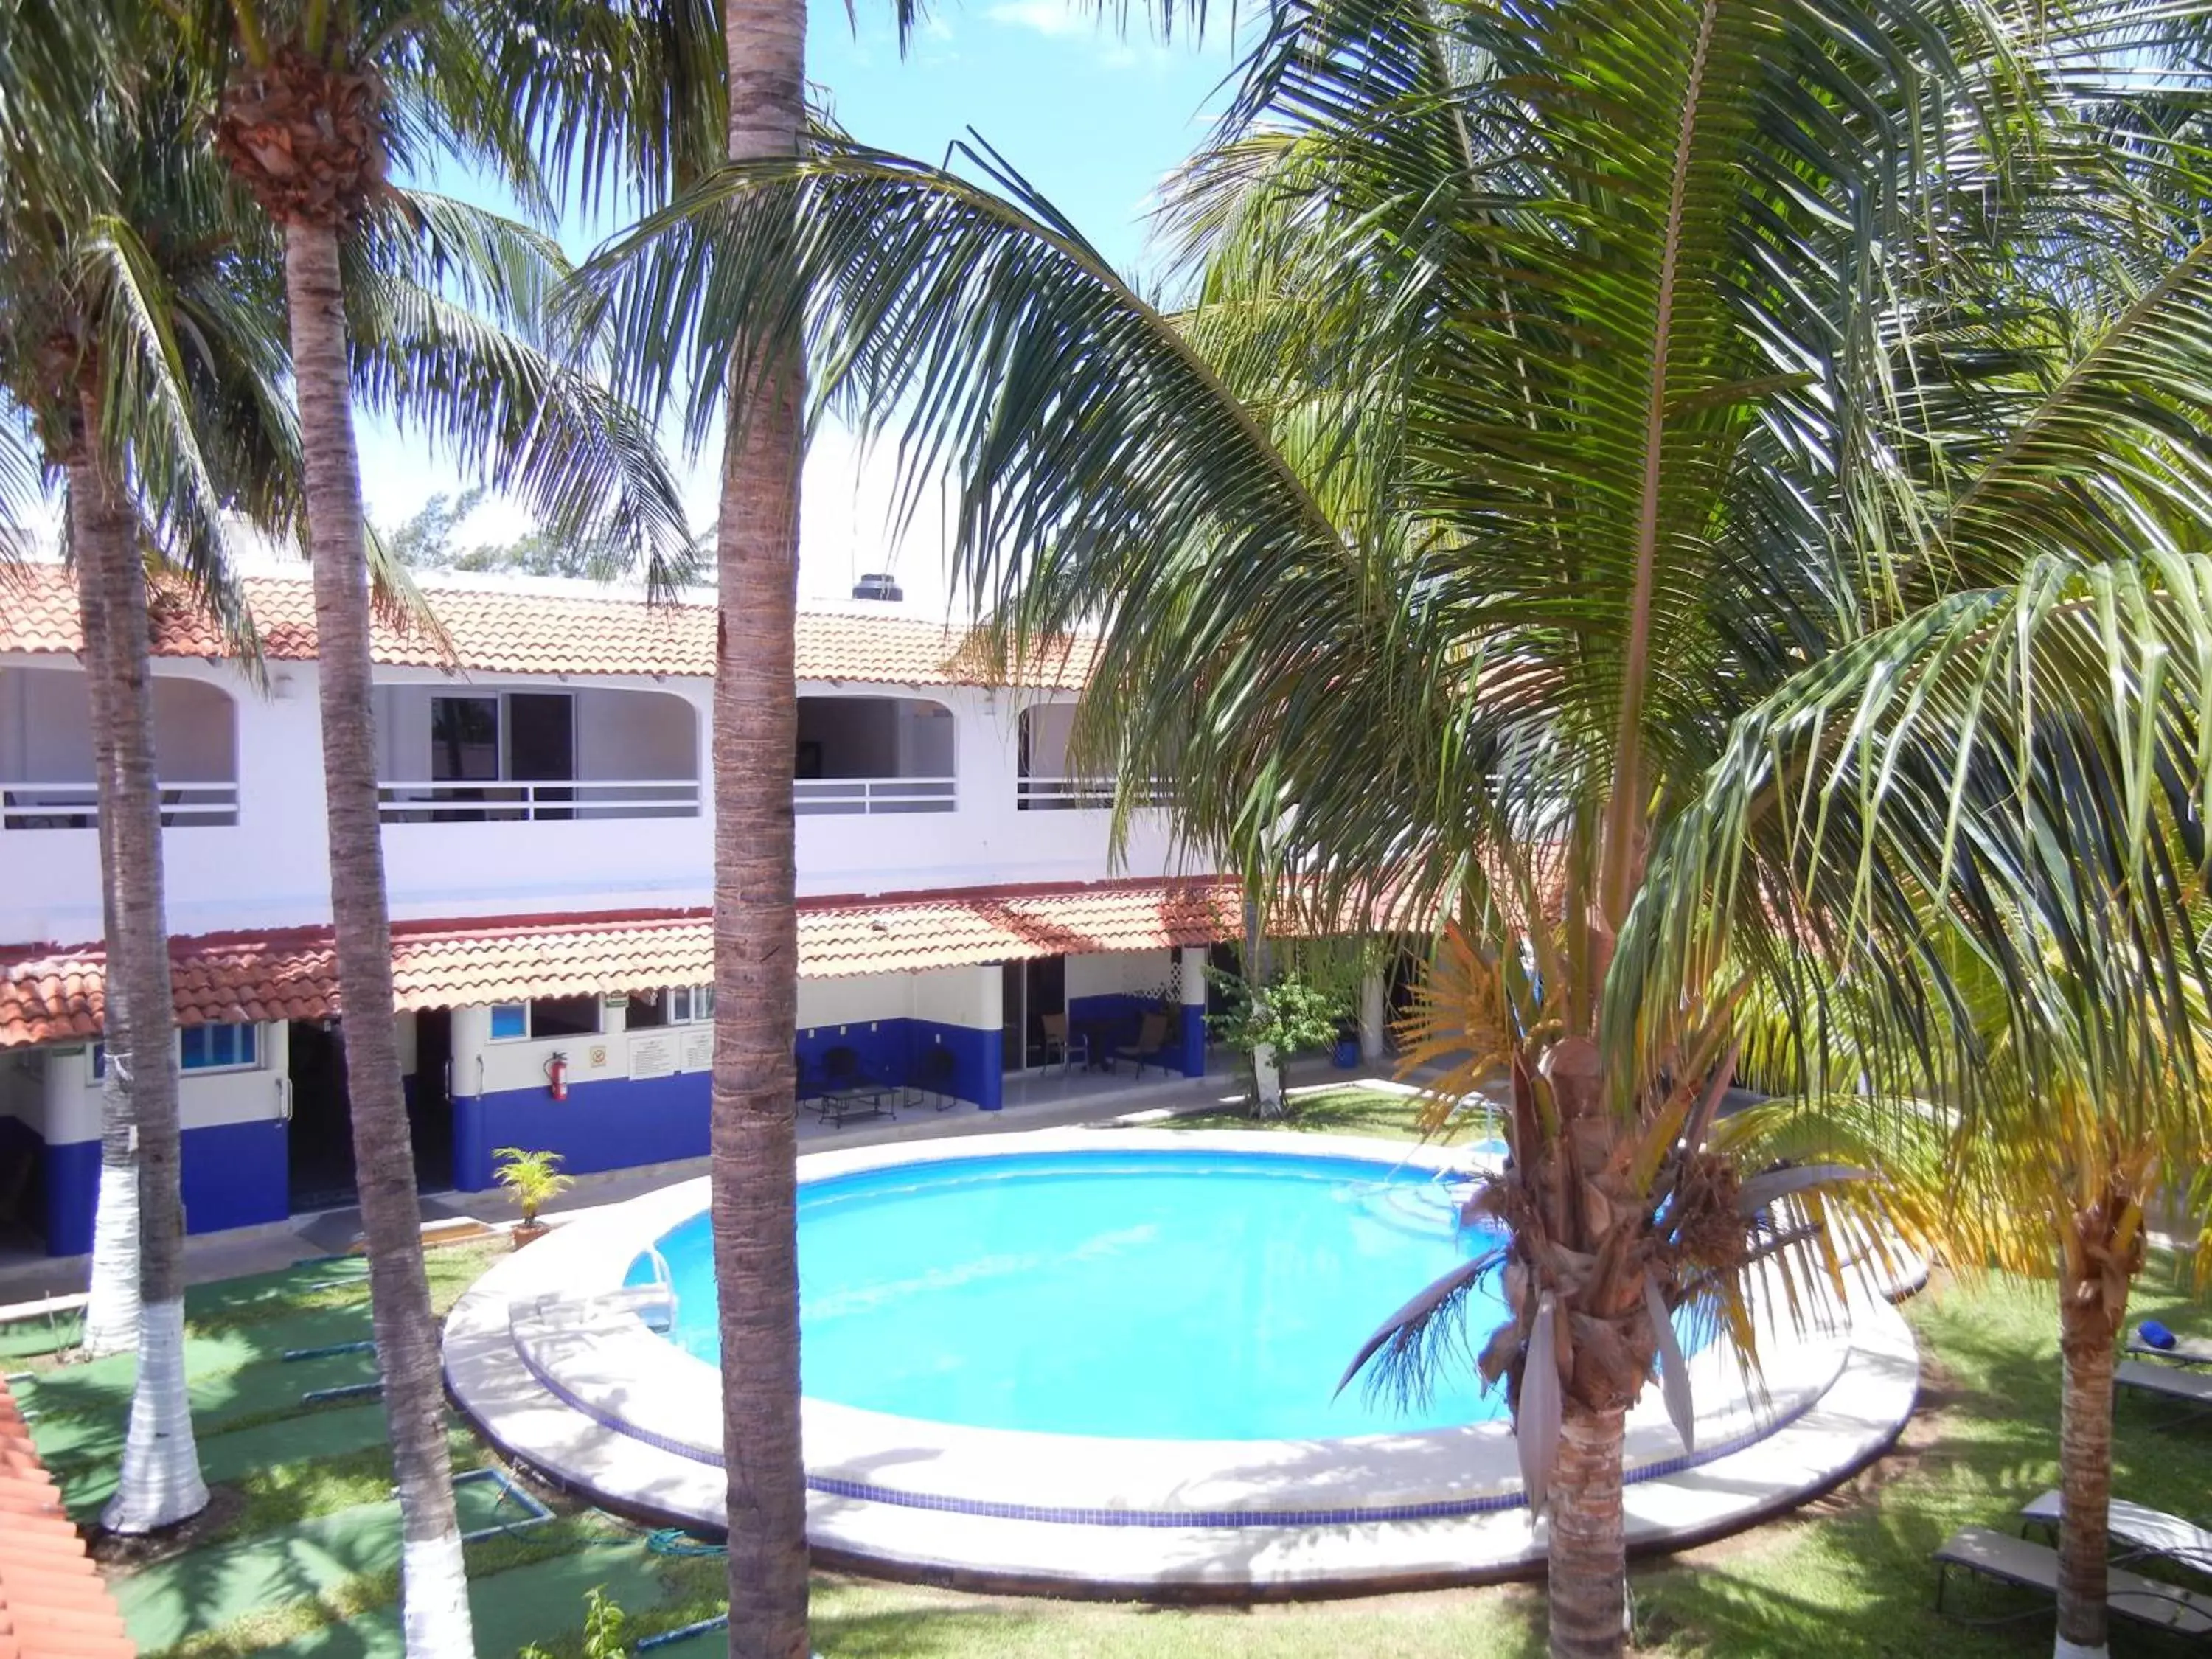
1092,116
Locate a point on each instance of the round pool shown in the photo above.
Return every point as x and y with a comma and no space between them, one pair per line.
1108,1361
1155,1295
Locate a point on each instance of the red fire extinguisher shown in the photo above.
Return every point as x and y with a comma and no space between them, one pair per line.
557,1076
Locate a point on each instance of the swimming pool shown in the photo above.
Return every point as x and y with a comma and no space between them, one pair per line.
1158,1295
1103,1362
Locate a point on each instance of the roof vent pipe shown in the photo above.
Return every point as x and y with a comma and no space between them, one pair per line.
878,585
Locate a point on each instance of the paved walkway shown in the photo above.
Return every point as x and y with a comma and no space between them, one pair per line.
1036,1101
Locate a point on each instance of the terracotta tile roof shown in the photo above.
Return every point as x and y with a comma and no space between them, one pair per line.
53,1604
50,994
504,631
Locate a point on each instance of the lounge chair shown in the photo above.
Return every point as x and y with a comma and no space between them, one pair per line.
1151,1037
2034,1566
2182,1350
2145,1532
2192,1388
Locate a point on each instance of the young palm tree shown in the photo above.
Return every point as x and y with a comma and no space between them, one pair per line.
2087,1105
141,351
396,296
1563,390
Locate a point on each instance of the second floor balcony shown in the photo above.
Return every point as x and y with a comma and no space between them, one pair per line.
503,756
874,756
46,777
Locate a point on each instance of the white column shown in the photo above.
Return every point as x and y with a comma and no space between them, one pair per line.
1372,1017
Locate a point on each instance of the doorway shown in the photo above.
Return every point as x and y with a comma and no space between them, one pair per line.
430,1100
319,1158
322,1172
541,746
1030,991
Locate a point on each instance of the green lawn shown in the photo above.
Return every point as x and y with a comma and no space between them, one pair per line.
300,1561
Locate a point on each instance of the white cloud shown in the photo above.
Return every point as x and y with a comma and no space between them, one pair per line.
1055,19
1060,20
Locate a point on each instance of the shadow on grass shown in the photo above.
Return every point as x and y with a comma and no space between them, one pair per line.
1351,1110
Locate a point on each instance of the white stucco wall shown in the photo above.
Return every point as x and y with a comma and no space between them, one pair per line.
974,997
205,1099
1109,973
856,1000
635,734
46,728
482,1065
269,870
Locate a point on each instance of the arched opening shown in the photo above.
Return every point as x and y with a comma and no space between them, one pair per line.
483,753
45,751
873,755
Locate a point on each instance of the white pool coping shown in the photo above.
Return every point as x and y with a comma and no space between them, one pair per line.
616,1413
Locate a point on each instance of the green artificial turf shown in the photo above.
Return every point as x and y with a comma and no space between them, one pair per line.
207,1589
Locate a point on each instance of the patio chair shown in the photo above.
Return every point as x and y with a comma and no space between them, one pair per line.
2191,1388
932,1078
1151,1037
2174,1349
2034,1566
1058,1044
2144,1531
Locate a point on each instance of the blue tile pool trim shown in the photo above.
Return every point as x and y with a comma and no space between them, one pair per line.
1438,1510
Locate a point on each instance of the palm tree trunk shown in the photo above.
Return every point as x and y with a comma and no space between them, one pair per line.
433,1588
111,1311
1588,1556
753,1170
160,1483
2085,1466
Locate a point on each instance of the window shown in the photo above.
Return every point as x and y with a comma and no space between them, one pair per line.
545,1017
219,1047
555,1017
674,1005
463,739
203,1048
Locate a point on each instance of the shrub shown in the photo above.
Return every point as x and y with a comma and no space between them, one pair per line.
532,1179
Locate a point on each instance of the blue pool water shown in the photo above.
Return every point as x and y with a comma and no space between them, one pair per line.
1166,1295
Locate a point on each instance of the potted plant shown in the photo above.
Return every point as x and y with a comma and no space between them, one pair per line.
532,1180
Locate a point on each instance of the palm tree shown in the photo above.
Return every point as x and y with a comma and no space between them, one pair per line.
753,1144
2087,1104
1565,393
143,353
396,296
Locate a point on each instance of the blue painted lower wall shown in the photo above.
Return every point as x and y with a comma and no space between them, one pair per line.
235,1175
620,1122
1119,1016
614,1125
1193,1045
979,1069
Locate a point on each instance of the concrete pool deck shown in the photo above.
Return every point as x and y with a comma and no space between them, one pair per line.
594,1401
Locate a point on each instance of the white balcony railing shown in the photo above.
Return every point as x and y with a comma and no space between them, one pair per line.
818,797
508,802
77,805
1085,794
